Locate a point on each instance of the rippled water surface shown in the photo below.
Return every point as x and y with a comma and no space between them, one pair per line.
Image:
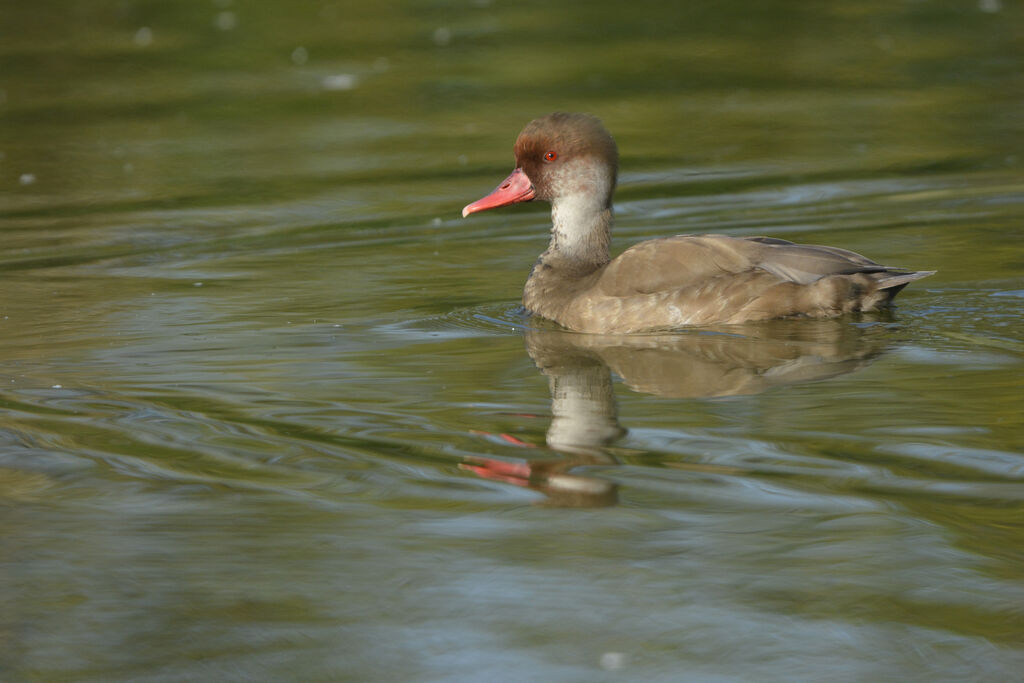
270,409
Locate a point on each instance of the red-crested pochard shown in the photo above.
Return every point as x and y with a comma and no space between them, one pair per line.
571,161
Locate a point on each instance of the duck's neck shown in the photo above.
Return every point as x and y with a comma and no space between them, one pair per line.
581,233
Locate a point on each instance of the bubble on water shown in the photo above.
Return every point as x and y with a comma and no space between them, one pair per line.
57,386
226,21
442,36
197,284
143,37
613,661
300,56
990,6
339,82
27,178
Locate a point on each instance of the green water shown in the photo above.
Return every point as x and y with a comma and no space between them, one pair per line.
271,411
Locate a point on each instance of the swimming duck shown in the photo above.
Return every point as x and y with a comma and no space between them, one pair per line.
571,161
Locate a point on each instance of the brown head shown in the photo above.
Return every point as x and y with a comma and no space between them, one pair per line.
558,155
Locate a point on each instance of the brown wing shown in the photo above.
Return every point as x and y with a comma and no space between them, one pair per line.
691,260
674,263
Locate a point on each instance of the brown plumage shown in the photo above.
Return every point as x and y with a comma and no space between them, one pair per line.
571,161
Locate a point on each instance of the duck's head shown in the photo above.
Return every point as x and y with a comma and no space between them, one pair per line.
559,156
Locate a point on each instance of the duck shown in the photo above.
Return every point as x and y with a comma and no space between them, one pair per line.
571,161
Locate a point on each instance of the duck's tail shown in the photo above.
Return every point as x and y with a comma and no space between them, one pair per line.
892,282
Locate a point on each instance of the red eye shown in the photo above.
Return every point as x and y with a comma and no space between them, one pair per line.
550,156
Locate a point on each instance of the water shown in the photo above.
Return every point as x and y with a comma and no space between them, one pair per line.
271,411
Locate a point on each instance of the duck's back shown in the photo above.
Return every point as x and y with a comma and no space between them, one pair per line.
708,279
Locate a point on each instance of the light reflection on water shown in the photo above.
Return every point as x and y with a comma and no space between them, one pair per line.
271,409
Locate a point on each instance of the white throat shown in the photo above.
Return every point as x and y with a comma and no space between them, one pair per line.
581,213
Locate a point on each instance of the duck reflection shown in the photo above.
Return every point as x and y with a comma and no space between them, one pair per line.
706,363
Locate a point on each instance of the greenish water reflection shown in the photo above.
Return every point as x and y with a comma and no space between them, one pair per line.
270,410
